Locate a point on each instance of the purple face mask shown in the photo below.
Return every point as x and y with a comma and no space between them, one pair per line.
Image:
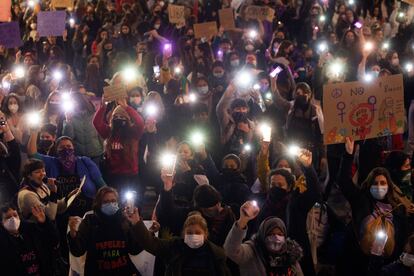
68,159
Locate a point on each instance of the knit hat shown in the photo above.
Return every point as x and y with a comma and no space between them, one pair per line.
233,157
206,196
119,110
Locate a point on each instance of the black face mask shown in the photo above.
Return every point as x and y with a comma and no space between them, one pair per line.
118,124
44,145
239,117
301,101
276,194
230,173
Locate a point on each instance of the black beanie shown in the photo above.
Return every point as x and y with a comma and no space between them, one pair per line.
206,196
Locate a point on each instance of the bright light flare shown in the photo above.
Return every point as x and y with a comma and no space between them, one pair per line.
253,34
266,131
57,75
151,110
336,68
19,72
72,22
244,79
409,67
129,74
368,77
34,119
322,47
197,138
381,234
368,46
322,18
294,150
247,147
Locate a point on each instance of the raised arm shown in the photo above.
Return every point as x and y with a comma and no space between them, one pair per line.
100,124
237,251
348,188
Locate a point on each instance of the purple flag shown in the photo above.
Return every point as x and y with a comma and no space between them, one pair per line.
10,35
51,23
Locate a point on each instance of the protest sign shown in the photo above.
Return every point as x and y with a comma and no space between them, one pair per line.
5,10
363,110
227,19
115,92
51,23
411,2
144,261
176,14
10,35
260,12
62,3
205,30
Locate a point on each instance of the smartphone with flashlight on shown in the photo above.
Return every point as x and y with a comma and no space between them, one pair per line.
275,72
251,209
169,161
156,70
130,201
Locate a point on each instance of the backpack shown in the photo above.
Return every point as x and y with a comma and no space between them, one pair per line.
380,223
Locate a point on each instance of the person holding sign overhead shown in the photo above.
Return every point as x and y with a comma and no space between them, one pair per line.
122,135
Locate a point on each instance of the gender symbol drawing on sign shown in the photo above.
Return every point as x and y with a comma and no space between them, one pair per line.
361,117
341,107
336,93
386,118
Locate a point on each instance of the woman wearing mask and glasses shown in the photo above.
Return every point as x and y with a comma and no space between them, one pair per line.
192,254
106,236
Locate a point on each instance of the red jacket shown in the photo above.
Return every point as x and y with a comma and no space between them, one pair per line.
117,161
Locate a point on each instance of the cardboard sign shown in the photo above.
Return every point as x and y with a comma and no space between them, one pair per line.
176,14
205,30
62,3
227,19
5,10
144,261
10,35
115,92
411,2
51,23
363,110
260,12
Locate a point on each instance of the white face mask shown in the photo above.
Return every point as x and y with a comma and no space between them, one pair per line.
407,259
274,243
194,241
249,47
12,224
377,192
287,169
13,108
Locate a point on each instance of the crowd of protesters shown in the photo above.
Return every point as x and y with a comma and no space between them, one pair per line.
226,131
